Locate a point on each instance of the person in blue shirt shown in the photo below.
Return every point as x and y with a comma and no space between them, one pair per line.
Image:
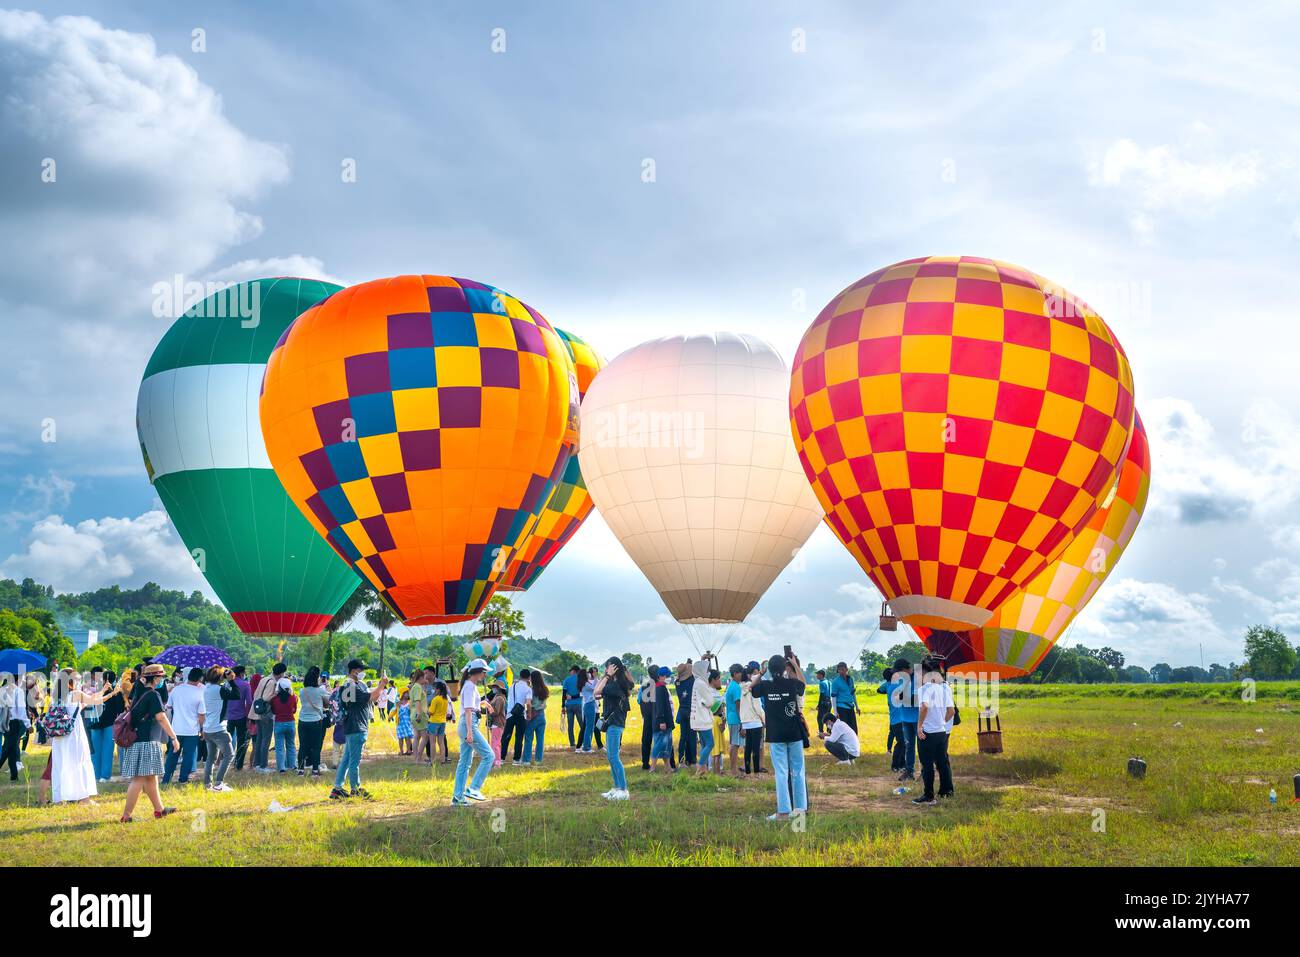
902,694
824,708
845,696
571,702
894,740
735,740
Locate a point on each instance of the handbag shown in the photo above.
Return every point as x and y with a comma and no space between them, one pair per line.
123,730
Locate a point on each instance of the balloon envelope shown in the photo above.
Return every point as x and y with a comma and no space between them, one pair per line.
419,422
569,504
686,452
960,420
1028,624
202,444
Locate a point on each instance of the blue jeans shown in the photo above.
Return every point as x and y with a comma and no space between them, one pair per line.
468,748
588,723
706,747
613,741
662,746
535,727
909,746
101,739
787,775
286,748
351,763
573,716
189,751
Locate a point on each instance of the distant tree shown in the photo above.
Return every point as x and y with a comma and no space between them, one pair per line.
635,664
1219,673
1092,671
1188,673
1110,658
1134,674
558,666
1268,653
872,665
1160,672
913,651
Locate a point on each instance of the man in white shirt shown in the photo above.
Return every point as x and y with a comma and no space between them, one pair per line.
185,703
842,742
521,692
937,708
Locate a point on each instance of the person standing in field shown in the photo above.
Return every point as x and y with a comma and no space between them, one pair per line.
686,742
497,718
937,708
719,719
186,706
782,696
405,733
284,708
702,698
237,716
615,689
472,741
845,695
313,709
356,699
825,707
218,693
894,740
102,729
419,692
535,726
735,736
752,719
903,695
516,708
142,762
662,749
439,706
571,704
646,701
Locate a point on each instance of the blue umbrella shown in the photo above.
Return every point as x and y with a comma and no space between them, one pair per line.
14,660
194,656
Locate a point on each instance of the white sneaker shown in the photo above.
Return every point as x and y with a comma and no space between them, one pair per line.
609,795
620,795
847,761
475,795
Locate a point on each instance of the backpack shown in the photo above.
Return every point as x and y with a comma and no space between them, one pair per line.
58,722
124,730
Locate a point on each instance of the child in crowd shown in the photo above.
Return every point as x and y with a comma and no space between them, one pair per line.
497,718
405,733
439,714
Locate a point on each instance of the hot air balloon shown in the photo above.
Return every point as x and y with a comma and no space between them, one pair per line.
960,420
202,443
569,504
1029,623
419,424
686,451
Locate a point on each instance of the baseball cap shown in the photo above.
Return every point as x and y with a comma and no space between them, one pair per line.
664,672
478,664
356,663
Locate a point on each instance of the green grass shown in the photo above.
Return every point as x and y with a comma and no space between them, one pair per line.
1203,802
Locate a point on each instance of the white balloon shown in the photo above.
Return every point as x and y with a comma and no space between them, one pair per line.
686,450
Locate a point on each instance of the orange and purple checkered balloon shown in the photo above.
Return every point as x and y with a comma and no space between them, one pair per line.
569,504
420,423
960,420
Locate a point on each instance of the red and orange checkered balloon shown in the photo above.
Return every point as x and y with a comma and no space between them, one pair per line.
569,503
420,423
1026,626
960,420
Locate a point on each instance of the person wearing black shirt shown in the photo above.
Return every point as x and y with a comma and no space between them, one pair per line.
782,695
615,688
142,762
686,740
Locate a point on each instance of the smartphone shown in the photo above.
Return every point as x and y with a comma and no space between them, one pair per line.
788,652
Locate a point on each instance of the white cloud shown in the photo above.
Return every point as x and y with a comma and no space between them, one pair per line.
1159,178
1196,478
1154,621
98,552
302,267
37,497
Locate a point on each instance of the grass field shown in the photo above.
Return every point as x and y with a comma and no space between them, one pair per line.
1203,802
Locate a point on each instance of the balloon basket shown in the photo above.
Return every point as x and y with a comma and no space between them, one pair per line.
453,682
990,738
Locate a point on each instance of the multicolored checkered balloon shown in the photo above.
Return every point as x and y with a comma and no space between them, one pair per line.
570,503
1029,623
960,420
420,423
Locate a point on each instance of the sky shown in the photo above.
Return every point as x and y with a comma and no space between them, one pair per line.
1145,160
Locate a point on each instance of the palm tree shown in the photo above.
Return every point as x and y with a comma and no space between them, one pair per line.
361,598
381,617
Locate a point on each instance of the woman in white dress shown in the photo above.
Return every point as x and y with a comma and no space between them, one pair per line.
73,773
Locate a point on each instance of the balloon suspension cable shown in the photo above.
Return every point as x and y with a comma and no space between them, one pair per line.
709,640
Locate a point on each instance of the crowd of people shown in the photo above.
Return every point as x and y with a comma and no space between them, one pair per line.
163,727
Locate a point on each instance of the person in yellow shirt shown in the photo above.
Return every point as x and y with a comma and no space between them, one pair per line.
438,705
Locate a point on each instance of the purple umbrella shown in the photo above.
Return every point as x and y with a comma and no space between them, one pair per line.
194,656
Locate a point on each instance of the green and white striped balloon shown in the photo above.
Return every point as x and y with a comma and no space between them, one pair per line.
197,418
